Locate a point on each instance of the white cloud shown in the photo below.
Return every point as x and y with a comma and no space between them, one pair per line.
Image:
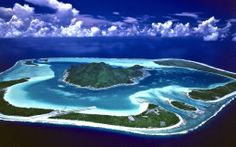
60,7
66,22
130,20
89,20
182,30
234,37
224,31
112,28
22,11
13,27
163,28
167,29
187,14
212,37
37,28
6,11
74,29
94,31
208,29
116,13
18,10
232,20
206,25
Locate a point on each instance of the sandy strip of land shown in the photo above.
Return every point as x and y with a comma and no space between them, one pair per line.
214,101
195,63
45,119
221,108
146,131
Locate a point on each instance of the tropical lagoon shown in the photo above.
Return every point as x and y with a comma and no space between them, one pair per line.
162,102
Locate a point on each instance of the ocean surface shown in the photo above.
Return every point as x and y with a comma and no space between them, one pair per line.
219,131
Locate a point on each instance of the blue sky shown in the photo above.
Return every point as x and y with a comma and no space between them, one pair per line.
209,20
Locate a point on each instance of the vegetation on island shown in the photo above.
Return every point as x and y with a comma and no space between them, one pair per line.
8,109
44,59
153,117
188,64
30,62
6,84
183,106
102,75
204,94
214,93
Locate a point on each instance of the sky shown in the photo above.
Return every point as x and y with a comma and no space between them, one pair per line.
210,20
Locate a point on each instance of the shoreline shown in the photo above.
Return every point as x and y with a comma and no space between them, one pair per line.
215,114
112,127
135,81
169,101
212,101
143,106
203,64
95,125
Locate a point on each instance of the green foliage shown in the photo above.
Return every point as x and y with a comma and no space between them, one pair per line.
152,118
208,94
213,94
183,106
30,62
7,109
5,84
101,75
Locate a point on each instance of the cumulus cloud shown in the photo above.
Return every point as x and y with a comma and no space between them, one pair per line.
94,31
22,11
13,27
77,27
60,7
187,14
211,37
67,22
74,29
208,29
6,11
165,29
168,29
112,28
18,10
37,28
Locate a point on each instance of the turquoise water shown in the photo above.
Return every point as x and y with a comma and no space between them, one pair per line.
47,90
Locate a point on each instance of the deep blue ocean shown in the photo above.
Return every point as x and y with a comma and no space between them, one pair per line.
219,131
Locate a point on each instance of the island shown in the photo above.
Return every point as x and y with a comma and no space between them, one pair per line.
203,94
193,65
102,75
183,106
7,109
214,93
153,117
144,96
30,63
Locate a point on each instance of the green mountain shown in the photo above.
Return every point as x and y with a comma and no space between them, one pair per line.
101,75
